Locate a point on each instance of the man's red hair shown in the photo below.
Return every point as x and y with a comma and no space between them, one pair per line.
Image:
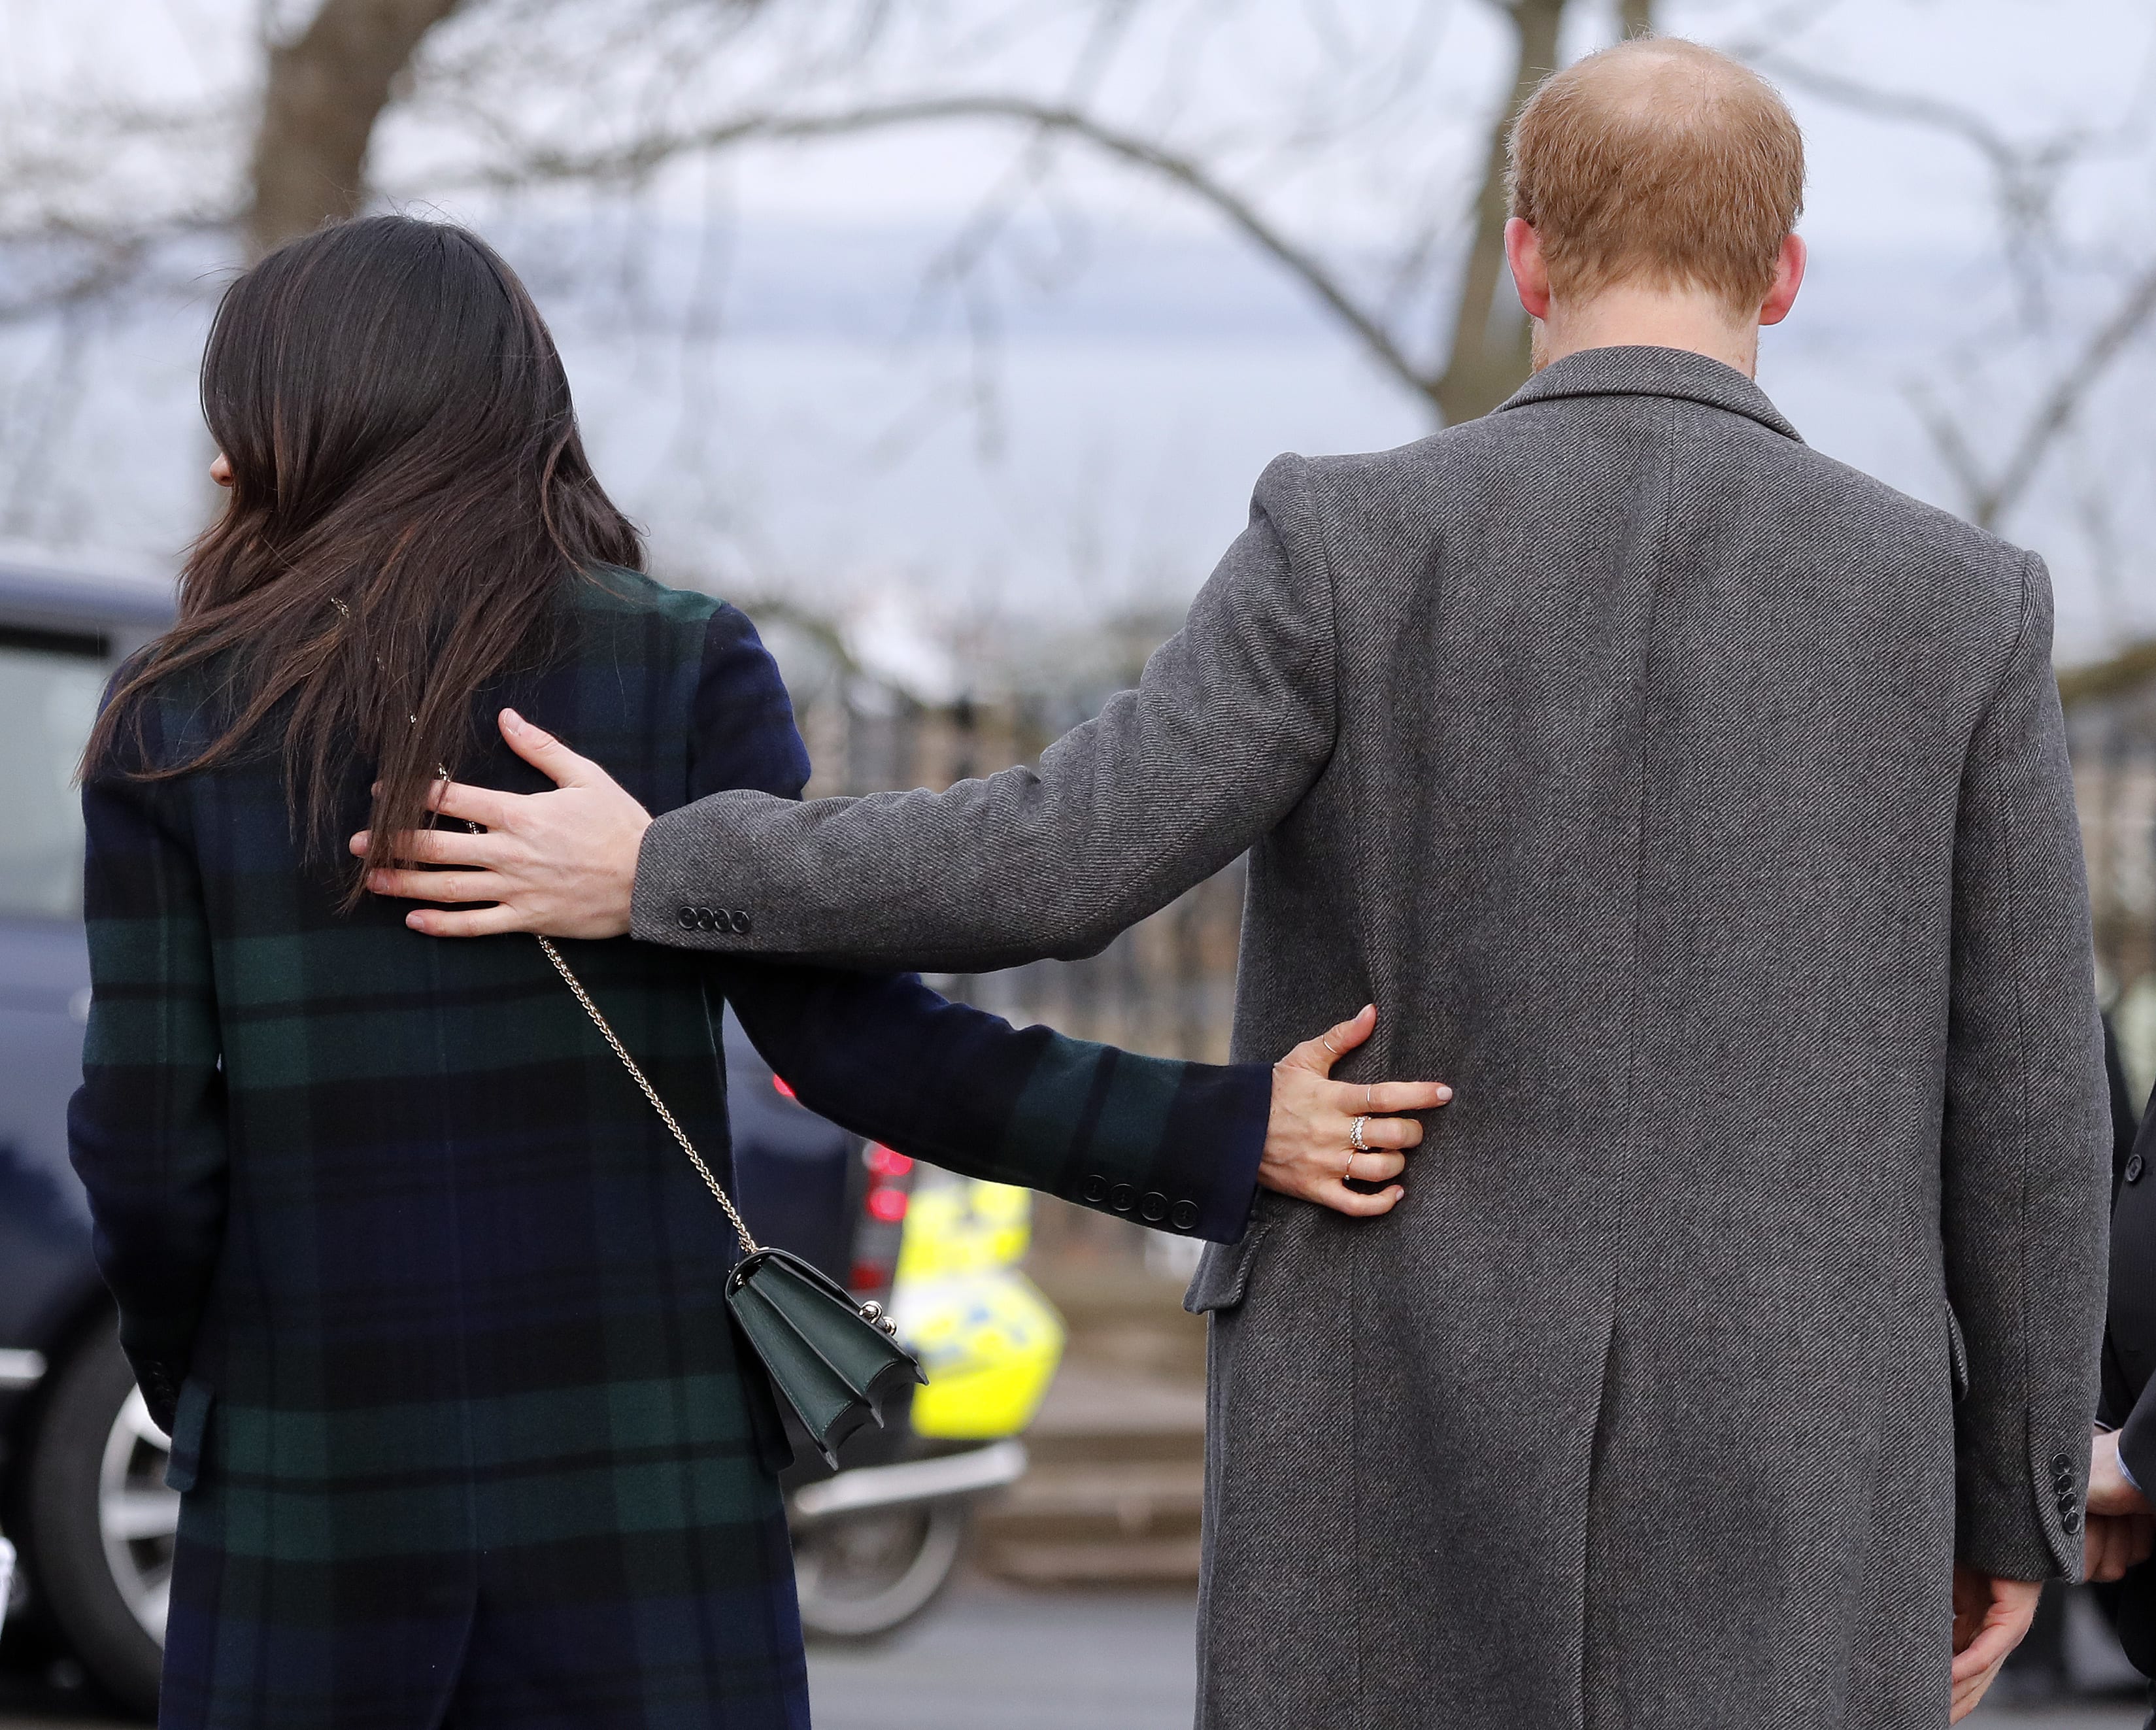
1663,163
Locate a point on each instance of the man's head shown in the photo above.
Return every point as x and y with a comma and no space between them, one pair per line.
1658,168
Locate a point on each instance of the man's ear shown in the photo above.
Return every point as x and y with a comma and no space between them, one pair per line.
1523,250
1789,280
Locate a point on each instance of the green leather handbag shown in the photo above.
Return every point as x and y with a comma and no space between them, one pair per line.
833,1361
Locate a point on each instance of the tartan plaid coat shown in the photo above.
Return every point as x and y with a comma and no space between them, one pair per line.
429,1301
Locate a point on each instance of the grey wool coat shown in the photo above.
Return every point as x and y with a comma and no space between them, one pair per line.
1700,809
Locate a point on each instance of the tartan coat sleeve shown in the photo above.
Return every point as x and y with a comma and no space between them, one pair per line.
146,1130
1175,1145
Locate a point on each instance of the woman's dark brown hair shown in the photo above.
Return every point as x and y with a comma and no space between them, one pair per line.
409,494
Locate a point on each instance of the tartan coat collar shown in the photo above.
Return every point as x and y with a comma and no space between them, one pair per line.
1643,371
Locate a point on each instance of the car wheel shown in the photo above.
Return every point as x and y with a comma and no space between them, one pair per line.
100,1523
861,1575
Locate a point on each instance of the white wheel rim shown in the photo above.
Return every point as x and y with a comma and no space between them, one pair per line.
137,1517
827,1607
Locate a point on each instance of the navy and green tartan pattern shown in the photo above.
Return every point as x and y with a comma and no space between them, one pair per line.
433,1302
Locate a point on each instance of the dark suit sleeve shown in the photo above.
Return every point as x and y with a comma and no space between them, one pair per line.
146,1130
1233,721
1173,1144
2025,1157
2125,1120
2137,1440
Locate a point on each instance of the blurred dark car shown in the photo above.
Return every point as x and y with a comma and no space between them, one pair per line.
82,1489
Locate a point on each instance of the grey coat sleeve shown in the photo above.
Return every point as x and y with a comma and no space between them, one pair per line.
1232,721
2025,1160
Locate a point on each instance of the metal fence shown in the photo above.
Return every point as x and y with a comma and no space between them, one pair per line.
1167,986
2113,742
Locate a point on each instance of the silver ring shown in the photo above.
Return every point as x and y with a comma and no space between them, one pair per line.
1355,1137
1327,1043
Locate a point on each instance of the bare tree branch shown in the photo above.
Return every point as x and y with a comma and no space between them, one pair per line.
2018,472
1773,31
1488,355
1960,457
2025,176
326,91
641,158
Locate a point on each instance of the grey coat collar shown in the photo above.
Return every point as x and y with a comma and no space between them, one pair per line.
1653,372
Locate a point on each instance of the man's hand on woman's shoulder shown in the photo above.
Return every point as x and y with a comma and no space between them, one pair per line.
561,863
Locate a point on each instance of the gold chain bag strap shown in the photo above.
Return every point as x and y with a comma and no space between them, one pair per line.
833,1362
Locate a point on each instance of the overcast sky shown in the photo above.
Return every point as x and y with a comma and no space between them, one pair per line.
803,418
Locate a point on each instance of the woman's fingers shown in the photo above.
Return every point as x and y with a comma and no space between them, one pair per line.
1393,1097
1343,1200
1381,1132
1317,1123
1328,1048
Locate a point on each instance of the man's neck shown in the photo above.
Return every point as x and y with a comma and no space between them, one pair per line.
1648,318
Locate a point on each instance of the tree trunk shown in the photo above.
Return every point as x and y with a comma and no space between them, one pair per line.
326,91
1487,360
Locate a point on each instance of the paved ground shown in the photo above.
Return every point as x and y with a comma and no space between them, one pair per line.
990,1658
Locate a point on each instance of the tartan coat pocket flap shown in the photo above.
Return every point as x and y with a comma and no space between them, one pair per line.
190,1425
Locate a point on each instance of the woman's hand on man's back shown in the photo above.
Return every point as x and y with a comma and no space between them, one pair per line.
1311,1141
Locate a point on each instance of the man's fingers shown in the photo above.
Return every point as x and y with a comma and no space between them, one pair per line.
548,754
437,885
472,805
465,922
1994,1644
441,846
1394,1096
1969,1695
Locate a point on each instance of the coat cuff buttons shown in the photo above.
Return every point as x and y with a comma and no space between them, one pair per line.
2065,1486
718,921
1152,1207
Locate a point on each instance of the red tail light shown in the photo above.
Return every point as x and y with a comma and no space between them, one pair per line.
882,1227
